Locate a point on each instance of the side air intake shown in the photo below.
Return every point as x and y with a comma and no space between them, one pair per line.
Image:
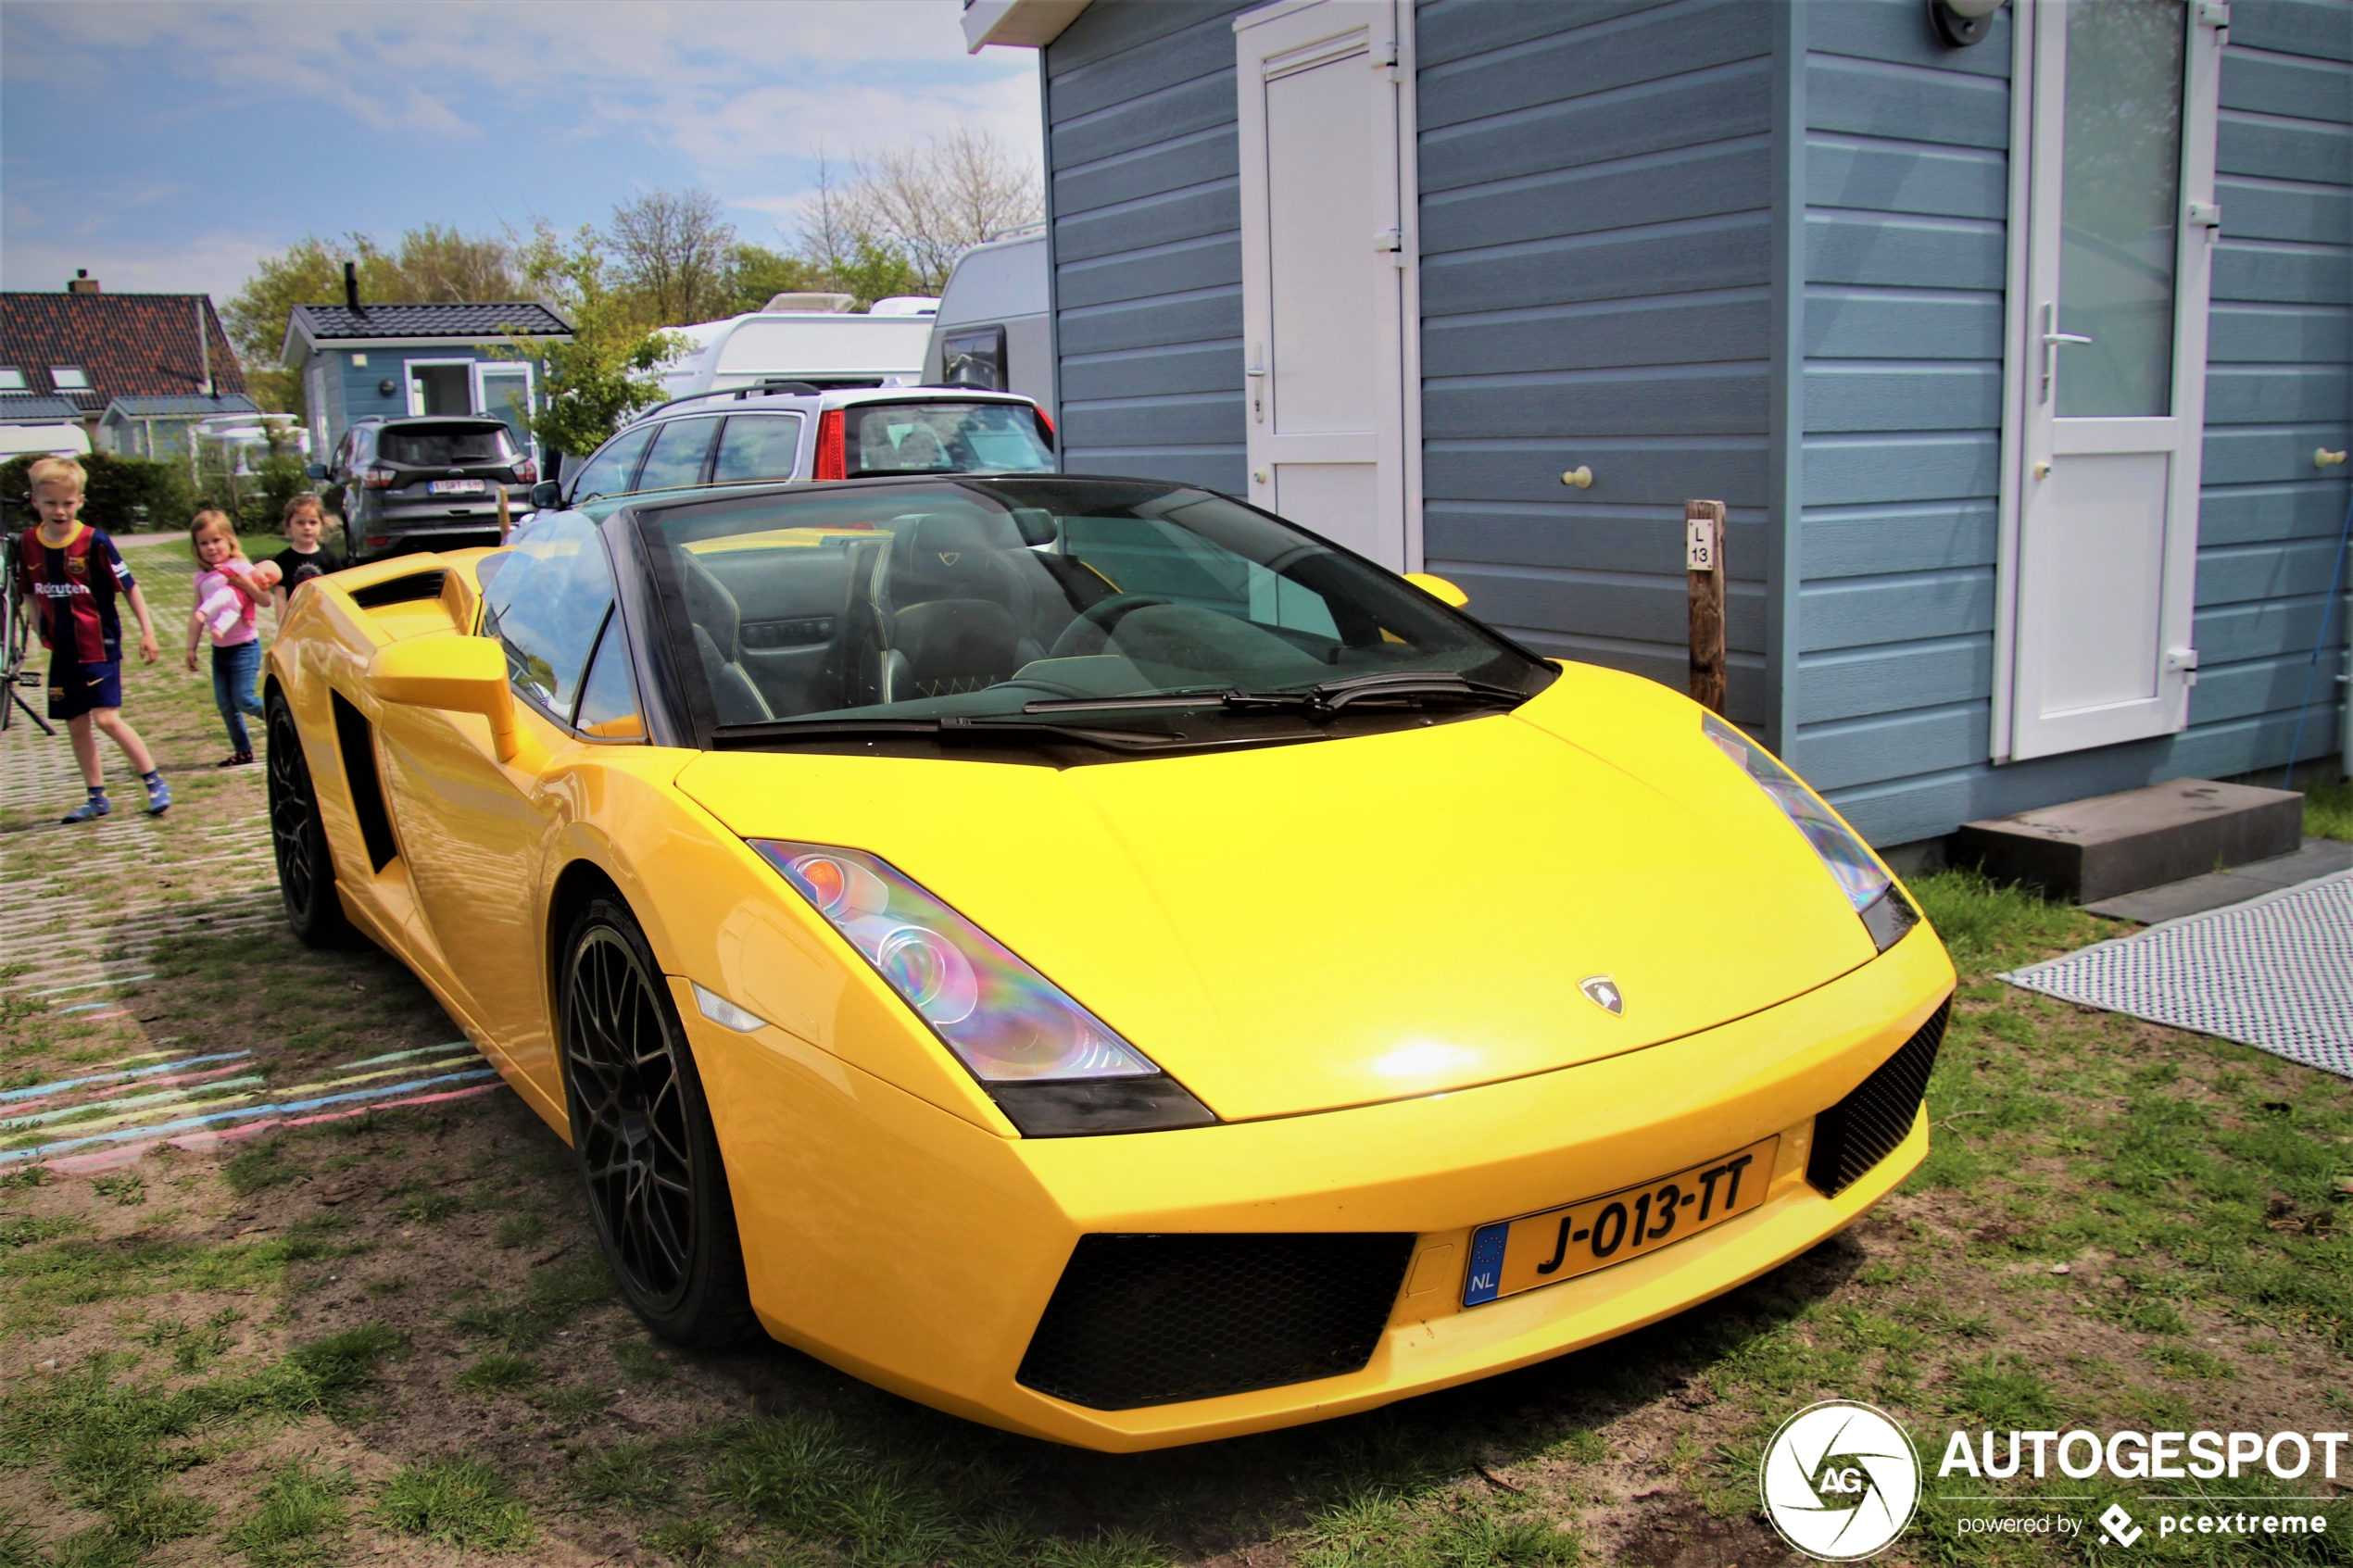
354,738
1865,1127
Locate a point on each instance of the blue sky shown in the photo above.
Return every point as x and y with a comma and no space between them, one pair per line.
165,146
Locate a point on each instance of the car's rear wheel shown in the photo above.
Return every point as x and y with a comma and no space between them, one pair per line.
641,1131
305,866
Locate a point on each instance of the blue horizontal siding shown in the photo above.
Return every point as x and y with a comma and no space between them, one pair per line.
1852,613
1854,395
1859,682
1918,104
2282,148
1143,373
1713,252
1570,536
1692,399
1872,541
1852,324
1671,330
1142,162
2286,84
1656,471
1890,176
1621,606
1652,188
1572,61
2278,334
1691,108
2255,208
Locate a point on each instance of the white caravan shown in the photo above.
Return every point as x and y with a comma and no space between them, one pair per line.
991,330
810,338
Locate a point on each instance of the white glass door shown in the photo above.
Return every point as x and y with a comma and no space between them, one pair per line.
1325,293
503,389
2120,229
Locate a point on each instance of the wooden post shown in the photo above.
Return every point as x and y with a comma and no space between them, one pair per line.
1704,566
505,518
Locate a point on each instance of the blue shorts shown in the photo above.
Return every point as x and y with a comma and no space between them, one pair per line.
76,689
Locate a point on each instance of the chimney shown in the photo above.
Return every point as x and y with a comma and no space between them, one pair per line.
351,284
203,349
82,282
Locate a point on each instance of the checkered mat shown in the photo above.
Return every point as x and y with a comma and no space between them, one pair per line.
2275,973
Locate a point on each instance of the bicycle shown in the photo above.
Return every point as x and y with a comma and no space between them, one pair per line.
17,619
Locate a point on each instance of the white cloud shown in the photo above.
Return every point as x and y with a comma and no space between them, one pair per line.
708,77
217,264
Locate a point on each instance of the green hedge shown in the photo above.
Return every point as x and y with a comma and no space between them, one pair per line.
139,496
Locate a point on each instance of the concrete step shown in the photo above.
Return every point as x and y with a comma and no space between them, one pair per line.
2088,851
2195,895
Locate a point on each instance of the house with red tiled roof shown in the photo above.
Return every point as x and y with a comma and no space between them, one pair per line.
133,371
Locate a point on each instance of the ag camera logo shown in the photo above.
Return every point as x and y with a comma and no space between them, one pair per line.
1840,1481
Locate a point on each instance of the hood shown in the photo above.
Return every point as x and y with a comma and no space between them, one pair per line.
1306,927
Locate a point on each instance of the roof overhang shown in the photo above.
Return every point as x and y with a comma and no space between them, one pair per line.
299,345
1022,24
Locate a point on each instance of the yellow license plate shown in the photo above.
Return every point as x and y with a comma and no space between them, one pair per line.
1514,1255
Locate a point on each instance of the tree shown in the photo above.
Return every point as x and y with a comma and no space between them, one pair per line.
931,202
432,265
674,250
756,275
607,371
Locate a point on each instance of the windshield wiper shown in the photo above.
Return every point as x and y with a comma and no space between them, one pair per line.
955,727
1328,697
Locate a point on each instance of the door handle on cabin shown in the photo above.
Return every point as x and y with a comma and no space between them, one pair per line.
2052,339
1257,372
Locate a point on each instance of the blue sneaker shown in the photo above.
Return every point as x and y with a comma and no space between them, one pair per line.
158,795
90,811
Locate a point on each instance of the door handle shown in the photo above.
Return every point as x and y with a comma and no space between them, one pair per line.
2053,341
2065,337
1257,372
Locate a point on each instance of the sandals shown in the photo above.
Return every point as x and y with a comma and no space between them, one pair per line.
241,760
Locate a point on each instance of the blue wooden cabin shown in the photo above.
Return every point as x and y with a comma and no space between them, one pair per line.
360,361
2016,343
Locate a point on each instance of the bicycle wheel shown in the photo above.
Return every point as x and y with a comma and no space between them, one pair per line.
16,632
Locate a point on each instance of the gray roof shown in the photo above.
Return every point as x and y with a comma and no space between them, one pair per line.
326,323
174,408
19,406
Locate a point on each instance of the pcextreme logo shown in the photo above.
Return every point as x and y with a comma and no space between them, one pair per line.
1840,1481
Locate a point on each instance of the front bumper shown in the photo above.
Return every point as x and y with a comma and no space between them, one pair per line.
917,1251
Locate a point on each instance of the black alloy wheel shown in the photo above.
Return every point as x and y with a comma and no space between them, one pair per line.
641,1131
305,866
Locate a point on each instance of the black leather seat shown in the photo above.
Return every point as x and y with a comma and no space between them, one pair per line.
954,608
718,624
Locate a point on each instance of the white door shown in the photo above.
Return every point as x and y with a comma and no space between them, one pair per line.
2121,223
503,388
1326,240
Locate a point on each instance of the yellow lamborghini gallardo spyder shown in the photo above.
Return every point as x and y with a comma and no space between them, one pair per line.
1092,956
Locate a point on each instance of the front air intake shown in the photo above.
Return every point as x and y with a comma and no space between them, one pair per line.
1865,1127
1153,1320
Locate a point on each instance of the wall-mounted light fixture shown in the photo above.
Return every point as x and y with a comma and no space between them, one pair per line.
1961,23
386,387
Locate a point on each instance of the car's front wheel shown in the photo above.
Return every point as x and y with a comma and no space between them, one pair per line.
305,866
641,1132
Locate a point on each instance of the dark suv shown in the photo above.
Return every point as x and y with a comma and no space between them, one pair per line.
427,483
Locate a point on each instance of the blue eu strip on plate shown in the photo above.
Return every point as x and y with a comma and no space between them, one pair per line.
1486,1264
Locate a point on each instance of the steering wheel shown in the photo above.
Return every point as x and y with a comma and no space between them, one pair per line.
1102,616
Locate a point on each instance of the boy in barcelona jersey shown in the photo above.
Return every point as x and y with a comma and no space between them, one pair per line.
73,574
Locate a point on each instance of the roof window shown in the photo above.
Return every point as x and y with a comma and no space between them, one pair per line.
11,379
68,378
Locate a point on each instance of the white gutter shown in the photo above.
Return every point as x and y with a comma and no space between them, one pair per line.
1020,24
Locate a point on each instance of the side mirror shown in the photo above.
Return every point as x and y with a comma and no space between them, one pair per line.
1438,588
546,494
456,675
315,471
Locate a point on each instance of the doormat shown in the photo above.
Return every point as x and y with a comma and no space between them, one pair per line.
2275,973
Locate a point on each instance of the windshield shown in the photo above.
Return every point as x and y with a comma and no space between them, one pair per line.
942,438
441,446
1047,600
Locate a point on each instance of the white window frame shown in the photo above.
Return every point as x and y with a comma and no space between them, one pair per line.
409,368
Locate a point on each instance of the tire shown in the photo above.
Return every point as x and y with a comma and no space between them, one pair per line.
641,1132
305,866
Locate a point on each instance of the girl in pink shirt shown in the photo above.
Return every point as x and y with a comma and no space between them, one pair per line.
231,591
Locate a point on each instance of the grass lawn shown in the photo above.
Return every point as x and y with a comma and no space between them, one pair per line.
387,1338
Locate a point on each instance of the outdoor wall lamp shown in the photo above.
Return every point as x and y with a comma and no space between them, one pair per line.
386,387
1961,23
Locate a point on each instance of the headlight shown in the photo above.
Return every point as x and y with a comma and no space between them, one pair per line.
1886,913
1055,1069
